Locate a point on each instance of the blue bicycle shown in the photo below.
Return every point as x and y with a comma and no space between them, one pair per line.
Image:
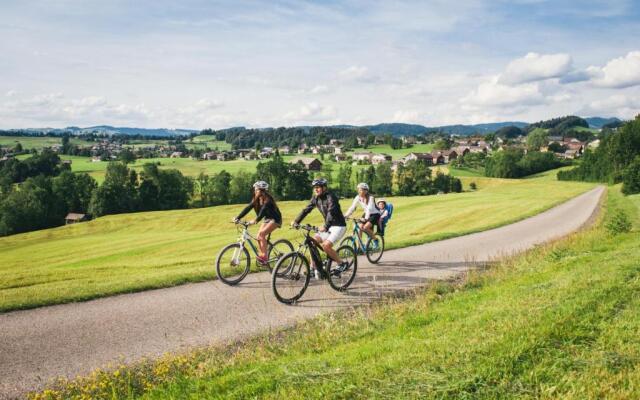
374,247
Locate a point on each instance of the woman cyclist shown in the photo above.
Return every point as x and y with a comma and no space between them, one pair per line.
265,207
371,212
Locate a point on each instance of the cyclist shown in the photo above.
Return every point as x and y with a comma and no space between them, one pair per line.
265,207
371,212
334,223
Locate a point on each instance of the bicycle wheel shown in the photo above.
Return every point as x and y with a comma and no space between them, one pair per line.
348,241
290,277
375,248
341,276
233,264
276,250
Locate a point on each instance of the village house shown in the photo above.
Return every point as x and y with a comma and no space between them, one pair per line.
409,139
362,156
427,157
303,148
176,154
336,142
73,218
211,155
311,164
337,150
380,158
340,157
379,140
284,150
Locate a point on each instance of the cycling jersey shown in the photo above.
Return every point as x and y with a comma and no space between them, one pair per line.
269,210
329,207
369,207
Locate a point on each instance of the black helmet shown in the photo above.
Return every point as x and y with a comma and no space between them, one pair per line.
319,182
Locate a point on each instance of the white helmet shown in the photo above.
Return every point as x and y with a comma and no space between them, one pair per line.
261,185
363,186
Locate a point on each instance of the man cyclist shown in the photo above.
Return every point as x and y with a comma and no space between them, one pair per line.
334,224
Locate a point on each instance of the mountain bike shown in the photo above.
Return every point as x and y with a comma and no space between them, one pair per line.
234,262
291,275
374,247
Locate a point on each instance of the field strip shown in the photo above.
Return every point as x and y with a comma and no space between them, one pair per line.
67,340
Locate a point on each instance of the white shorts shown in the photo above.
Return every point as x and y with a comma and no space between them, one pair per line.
334,234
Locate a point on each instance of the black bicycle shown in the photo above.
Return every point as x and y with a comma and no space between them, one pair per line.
291,275
234,262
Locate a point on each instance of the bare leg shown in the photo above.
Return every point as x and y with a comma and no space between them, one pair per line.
327,246
264,232
368,227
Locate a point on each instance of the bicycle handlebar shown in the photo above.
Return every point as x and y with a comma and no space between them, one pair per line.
306,227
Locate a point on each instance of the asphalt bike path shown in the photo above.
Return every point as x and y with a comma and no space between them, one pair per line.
71,339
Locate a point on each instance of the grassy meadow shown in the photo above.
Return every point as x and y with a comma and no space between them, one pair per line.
38,143
559,321
133,252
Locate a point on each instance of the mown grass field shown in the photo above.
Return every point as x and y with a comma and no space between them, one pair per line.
132,252
33,142
559,321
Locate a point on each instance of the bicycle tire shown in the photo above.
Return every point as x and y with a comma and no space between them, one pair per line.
340,280
293,267
348,241
243,271
281,247
374,253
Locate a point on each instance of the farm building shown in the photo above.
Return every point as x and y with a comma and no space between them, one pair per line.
311,164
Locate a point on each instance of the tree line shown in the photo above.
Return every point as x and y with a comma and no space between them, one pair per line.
615,160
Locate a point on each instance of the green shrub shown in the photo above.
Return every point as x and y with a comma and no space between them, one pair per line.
631,178
619,223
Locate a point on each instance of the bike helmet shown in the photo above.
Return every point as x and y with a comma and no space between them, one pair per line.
261,185
363,185
319,182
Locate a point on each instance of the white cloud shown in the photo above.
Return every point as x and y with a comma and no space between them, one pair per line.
11,93
620,105
621,72
312,113
536,67
357,73
582,75
495,94
407,117
319,89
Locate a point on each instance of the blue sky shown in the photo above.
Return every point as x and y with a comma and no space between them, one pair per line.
198,64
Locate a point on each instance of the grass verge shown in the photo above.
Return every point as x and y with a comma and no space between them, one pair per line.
559,321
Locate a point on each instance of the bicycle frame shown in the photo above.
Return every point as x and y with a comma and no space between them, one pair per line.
355,232
245,237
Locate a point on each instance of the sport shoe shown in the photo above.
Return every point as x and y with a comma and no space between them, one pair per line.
262,260
376,243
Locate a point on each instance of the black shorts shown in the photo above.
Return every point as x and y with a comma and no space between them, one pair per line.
374,218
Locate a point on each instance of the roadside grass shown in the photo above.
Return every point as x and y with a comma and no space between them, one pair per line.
134,252
558,321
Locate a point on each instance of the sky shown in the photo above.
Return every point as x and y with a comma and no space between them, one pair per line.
216,64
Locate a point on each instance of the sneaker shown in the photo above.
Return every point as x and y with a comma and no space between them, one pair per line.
262,260
376,243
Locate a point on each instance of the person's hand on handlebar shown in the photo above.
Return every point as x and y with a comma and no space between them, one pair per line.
295,225
235,220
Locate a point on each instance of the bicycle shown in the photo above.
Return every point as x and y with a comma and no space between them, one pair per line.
290,278
374,247
234,262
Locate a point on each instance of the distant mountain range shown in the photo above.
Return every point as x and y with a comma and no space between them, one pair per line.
396,129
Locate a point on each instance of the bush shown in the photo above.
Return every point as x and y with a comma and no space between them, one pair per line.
473,186
619,223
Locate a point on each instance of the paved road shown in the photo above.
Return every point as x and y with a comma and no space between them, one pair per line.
67,340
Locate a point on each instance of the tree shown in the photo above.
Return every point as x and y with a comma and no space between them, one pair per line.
241,188
345,187
631,179
127,156
75,190
368,175
537,139
556,147
297,183
504,164
396,143
117,194
509,132
383,181
217,189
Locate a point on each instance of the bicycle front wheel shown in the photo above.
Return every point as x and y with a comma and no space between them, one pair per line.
290,277
375,248
342,275
233,264
276,251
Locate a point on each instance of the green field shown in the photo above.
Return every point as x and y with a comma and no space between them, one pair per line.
559,321
396,153
187,166
38,143
132,252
